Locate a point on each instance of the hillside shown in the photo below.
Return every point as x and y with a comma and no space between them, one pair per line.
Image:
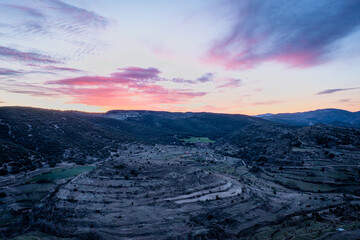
30,138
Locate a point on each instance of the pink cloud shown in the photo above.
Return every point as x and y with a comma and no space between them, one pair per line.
162,52
150,97
132,85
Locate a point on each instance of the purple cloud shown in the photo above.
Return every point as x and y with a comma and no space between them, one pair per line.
207,77
296,33
36,93
30,57
231,83
137,73
334,90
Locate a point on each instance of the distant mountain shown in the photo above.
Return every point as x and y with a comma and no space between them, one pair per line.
335,117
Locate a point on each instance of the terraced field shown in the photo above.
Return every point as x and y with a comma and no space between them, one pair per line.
198,140
161,192
143,196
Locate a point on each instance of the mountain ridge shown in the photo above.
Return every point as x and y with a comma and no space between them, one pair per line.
329,116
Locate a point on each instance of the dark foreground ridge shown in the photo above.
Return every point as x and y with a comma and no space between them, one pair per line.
161,175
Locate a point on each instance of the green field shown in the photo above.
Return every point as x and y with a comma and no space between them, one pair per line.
197,140
306,149
61,173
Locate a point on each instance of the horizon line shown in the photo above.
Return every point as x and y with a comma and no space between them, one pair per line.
144,110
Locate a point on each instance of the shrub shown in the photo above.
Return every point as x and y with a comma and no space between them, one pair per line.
134,173
44,180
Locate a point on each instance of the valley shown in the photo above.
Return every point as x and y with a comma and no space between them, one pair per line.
245,179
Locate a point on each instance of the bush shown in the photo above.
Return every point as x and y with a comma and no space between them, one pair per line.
255,169
119,166
3,171
15,170
134,173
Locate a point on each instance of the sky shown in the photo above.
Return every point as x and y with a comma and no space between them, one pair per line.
229,56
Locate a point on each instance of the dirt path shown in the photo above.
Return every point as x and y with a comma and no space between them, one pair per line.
229,189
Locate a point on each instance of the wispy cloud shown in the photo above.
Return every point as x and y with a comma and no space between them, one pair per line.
296,33
56,15
80,16
60,69
9,72
54,20
334,90
266,103
16,74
